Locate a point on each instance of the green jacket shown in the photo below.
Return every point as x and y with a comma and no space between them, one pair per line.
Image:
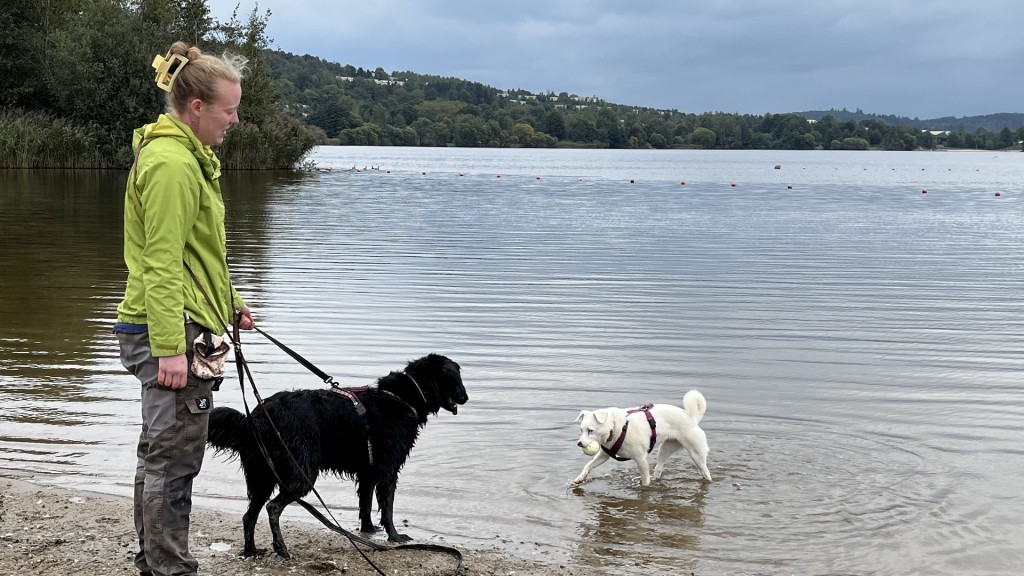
174,213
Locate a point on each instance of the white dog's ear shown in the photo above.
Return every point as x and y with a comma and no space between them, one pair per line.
580,417
601,416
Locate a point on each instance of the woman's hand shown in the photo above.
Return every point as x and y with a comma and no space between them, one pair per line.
245,321
173,371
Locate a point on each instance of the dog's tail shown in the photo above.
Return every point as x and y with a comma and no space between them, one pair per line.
694,405
228,430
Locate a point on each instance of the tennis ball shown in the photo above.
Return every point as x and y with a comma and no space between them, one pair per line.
592,448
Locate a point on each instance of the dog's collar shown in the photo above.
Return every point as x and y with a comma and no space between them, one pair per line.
646,409
417,385
412,410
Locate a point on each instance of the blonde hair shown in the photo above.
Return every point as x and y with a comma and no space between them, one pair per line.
198,78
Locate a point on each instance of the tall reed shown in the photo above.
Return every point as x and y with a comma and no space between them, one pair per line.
39,140
35,139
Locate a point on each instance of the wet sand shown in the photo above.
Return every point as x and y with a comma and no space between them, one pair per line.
48,530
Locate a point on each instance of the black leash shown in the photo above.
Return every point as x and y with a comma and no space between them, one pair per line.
328,379
332,523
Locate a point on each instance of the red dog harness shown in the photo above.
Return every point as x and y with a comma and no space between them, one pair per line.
646,409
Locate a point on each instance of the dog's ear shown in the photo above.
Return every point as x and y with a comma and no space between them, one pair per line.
582,414
601,416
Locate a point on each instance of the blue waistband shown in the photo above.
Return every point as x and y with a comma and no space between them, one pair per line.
129,328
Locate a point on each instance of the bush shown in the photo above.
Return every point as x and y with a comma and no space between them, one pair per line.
280,144
40,140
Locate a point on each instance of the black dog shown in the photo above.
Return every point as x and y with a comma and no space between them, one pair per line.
365,434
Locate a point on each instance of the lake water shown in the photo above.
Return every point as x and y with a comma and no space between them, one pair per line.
855,320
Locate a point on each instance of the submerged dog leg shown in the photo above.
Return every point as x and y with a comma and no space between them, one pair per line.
700,458
667,449
645,469
597,460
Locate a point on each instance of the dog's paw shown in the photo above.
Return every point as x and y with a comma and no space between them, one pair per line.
254,552
282,552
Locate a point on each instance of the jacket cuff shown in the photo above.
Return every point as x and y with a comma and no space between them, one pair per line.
159,349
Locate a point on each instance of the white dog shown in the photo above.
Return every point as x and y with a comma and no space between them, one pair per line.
632,434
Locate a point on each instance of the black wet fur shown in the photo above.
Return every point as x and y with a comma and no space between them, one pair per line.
325,433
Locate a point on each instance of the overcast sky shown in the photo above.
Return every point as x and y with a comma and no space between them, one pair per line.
915,58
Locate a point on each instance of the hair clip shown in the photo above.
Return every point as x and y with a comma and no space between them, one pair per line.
167,68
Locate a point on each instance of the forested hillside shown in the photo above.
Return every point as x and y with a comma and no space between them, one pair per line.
375,107
966,124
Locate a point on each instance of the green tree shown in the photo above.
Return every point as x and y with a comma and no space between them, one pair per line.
702,137
523,133
899,139
554,124
91,87
1004,139
336,114
251,40
365,135
19,20
193,23
610,128
854,144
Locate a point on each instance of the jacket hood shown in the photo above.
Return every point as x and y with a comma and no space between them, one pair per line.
167,126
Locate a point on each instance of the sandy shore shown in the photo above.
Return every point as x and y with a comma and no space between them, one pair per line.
47,530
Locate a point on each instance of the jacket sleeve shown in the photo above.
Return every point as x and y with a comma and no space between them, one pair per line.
236,299
170,204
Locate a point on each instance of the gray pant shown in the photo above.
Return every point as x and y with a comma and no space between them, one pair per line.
170,454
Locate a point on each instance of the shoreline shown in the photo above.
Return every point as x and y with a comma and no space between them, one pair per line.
52,530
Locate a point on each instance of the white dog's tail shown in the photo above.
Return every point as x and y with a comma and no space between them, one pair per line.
694,405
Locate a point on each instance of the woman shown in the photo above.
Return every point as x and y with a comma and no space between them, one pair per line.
178,289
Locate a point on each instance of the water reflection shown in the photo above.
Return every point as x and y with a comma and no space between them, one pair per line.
62,260
64,270
655,526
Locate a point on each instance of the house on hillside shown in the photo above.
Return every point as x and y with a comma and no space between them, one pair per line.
940,137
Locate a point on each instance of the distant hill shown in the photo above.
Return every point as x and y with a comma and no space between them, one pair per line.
967,124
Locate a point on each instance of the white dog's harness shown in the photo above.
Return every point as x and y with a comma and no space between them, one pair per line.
646,409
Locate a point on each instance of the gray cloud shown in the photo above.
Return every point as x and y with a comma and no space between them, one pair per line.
912,58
